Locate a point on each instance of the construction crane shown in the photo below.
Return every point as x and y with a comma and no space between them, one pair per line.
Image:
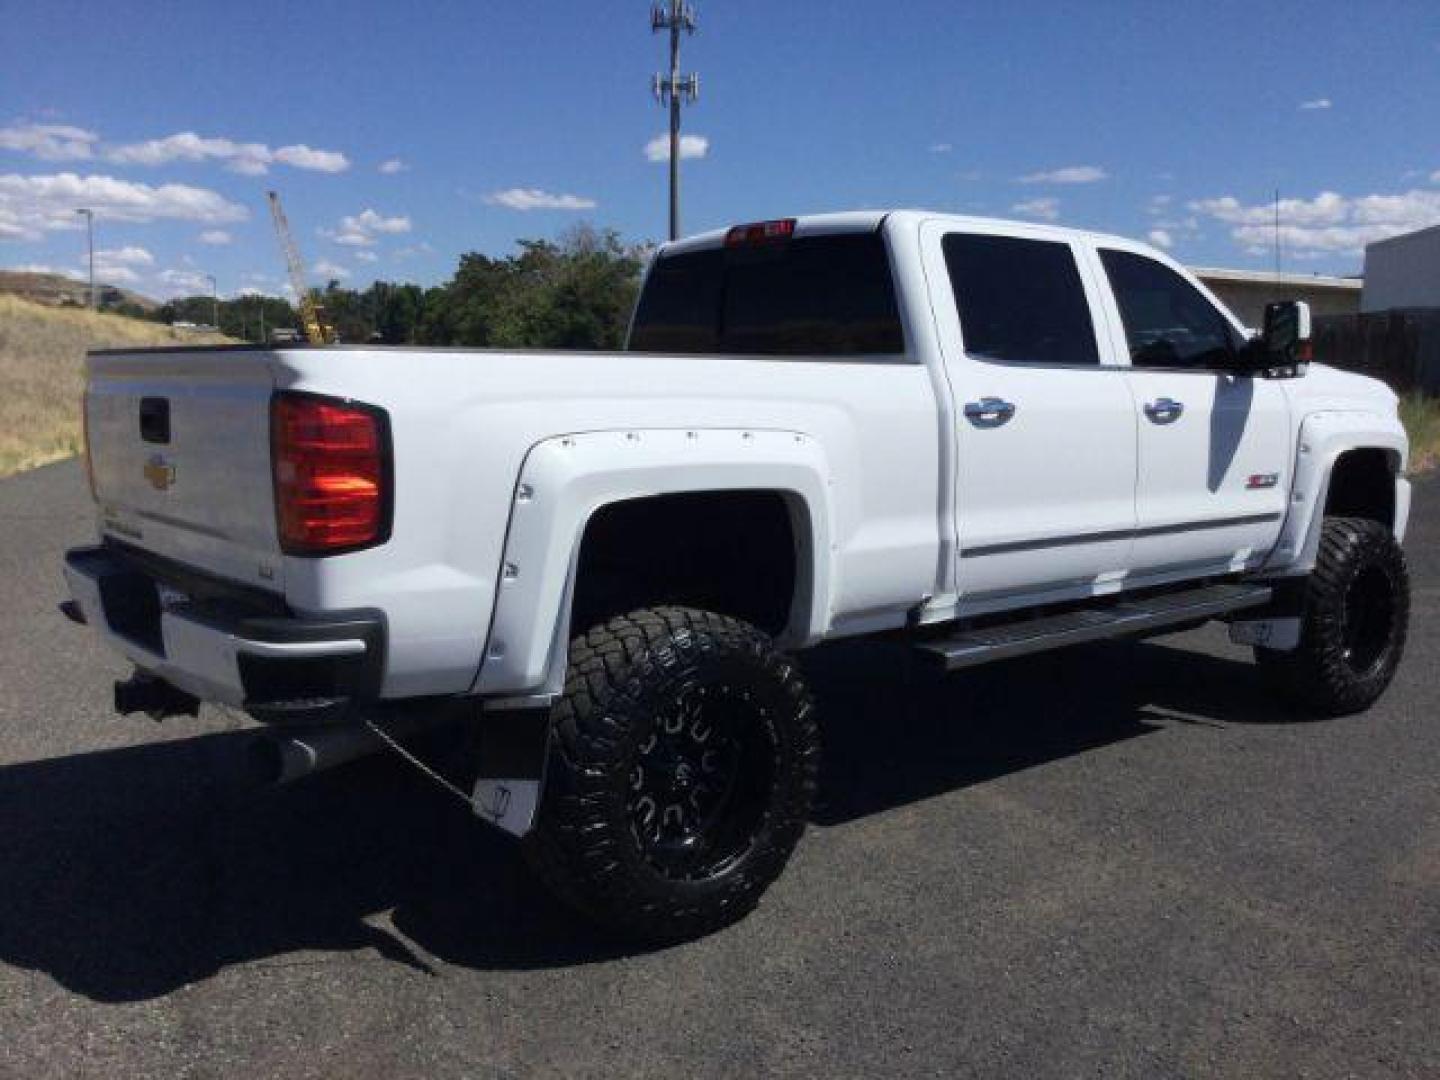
312,315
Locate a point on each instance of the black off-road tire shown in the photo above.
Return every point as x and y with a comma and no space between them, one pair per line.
631,681
1354,616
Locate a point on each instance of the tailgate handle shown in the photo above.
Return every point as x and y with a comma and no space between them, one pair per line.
155,419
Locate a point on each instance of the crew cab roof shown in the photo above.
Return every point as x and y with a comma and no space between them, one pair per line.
869,220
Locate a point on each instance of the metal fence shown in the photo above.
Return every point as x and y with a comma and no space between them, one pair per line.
1401,347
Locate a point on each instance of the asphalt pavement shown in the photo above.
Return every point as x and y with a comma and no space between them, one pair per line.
1120,860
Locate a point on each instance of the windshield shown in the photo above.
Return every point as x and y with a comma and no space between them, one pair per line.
812,296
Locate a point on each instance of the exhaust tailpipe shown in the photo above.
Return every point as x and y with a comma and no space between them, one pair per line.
283,759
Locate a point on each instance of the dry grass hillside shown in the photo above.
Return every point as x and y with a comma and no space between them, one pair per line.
42,361
59,289
1422,421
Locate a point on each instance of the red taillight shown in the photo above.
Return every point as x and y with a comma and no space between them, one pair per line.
760,232
332,477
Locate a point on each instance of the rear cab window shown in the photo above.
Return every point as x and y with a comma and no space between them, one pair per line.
831,295
1020,301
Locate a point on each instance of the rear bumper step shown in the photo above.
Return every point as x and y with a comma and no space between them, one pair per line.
226,648
1126,618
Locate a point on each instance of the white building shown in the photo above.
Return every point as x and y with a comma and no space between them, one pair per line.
1403,272
1246,292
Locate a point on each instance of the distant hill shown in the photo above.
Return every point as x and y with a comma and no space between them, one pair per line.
58,290
42,359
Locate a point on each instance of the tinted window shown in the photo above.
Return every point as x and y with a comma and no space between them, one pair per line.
1020,301
818,296
1168,323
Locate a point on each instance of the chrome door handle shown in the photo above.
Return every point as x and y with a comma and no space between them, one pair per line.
989,411
1164,410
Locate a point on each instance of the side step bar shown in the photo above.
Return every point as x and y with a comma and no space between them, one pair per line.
1123,619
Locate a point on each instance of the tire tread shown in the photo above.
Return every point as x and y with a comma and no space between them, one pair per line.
576,848
1315,677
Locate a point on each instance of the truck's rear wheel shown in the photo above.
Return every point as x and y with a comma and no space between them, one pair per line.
1355,612
681,775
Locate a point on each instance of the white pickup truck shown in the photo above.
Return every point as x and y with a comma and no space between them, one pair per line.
988,437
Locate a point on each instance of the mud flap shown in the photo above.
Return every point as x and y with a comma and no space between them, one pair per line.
514,745
1282,634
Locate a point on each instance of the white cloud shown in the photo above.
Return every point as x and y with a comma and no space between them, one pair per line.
535,199
1317,103
691,146
1328,224
1160,238
215,236
11,228
184,282
112,274
247,158
36,268
1044,209
126,256
301,156
373,222
1069,174
327,269
366,256
392,166
359,230
49,142
1435,177
33,205
409,252
941,148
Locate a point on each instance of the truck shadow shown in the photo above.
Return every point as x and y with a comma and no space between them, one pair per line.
126,874
896,732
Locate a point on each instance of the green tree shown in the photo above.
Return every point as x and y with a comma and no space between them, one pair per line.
242,317
574,293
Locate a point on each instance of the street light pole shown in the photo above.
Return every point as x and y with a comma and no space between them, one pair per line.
214,302
90,234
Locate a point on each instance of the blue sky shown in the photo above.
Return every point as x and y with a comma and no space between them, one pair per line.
508,120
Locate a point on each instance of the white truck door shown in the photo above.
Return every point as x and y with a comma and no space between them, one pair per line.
1045,429
1215,454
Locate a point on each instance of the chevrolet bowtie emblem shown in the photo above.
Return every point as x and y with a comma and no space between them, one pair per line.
160,473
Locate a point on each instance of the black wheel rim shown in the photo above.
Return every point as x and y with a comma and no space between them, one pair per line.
1368,619
700,781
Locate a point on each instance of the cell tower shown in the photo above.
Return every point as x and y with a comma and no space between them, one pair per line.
674,90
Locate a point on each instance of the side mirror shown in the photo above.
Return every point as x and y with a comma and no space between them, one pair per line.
1283,348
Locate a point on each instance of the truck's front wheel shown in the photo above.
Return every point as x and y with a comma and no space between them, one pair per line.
682,770
1355,611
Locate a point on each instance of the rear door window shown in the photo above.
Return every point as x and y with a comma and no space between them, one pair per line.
1020,301
810,296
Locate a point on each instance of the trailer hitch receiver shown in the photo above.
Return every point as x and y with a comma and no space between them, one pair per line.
155,697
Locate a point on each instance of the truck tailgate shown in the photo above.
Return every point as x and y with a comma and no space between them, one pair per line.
180,453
